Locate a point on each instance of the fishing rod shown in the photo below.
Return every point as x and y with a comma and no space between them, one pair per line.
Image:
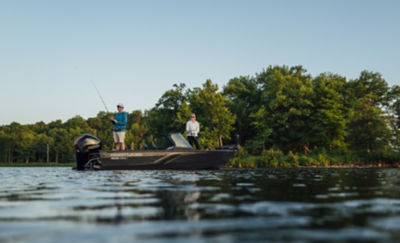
101,97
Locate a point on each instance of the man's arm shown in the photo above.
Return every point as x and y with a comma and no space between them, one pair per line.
197,128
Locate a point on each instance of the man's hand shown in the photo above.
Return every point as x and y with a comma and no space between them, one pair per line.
113,120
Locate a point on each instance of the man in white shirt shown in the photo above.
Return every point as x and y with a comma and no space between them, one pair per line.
193,129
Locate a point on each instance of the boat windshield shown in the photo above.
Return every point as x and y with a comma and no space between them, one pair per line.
179,141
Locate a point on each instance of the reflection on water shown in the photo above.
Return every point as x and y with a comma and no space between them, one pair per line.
61,205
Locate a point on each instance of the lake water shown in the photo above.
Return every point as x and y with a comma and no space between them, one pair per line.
62,205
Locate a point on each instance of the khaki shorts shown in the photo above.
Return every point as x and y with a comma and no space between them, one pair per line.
119,137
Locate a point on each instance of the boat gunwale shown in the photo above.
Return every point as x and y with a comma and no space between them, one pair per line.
148,153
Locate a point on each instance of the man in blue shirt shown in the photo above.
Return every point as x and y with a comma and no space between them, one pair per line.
120,119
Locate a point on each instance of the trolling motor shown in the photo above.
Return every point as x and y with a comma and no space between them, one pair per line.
87,148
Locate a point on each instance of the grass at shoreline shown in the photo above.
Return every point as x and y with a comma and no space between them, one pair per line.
275,158
36,164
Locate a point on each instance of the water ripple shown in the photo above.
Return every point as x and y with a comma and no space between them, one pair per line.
58,204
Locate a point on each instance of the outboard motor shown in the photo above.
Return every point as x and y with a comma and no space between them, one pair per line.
87,149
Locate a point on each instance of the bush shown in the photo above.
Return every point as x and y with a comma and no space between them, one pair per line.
389,157
305,160
271,157
323,160
238,158
293,158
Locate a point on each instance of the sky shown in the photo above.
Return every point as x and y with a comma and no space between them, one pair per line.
51,52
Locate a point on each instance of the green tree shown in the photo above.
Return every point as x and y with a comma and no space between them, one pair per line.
263,130
183,115
5,147
367,97
369,84
163,117
368,129
62,144
215,118
287,96
79,122
394,115
138,129
20,141
329,118
40,143
24,144
244,99
103,128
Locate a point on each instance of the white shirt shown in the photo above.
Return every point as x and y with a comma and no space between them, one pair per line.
193,128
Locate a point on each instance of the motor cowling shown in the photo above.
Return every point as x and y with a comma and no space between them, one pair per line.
86,147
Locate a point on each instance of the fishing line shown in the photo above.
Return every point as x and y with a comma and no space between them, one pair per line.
101,97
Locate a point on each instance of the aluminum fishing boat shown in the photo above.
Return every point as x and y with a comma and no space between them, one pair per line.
179,156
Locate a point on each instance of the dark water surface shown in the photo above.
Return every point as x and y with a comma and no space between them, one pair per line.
62,205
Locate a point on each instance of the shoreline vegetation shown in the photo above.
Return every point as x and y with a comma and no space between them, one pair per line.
277,159
281,117
36,164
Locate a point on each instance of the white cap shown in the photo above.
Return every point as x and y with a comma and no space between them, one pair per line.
120,105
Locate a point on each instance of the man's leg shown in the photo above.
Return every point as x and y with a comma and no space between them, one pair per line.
196,142
122,140
115,136
190,138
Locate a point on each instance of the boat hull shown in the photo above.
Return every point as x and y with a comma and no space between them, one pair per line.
165,160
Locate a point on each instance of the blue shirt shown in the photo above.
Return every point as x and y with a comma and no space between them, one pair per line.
122,119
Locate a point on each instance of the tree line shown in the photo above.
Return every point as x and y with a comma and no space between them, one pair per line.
284,108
